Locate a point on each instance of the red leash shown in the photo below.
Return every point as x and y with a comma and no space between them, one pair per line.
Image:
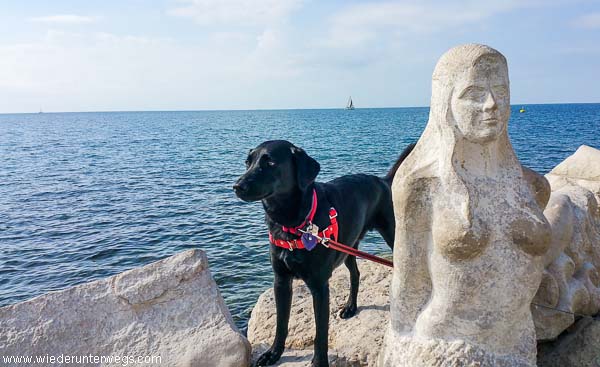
352,251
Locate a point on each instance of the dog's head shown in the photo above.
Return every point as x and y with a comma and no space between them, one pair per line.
275,167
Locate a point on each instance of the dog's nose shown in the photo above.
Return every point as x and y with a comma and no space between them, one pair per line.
240,187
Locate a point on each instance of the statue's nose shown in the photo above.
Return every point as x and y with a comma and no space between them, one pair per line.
490,103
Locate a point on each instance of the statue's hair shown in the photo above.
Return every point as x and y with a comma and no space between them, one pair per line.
441,127
438,151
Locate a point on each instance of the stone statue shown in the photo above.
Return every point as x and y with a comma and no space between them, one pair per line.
470,232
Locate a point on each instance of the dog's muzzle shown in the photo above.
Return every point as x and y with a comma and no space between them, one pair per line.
240,188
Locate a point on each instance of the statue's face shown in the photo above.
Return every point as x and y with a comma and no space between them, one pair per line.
481,101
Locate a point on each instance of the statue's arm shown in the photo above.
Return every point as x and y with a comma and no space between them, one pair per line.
411,284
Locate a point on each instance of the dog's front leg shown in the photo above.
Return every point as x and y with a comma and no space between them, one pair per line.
320,294
282,286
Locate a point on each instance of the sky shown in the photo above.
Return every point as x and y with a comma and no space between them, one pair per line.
133,55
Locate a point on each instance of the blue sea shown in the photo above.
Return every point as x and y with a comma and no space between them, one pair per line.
85,196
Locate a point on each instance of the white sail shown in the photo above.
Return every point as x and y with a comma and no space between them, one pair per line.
350,105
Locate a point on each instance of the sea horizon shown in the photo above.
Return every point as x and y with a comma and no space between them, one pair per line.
279,109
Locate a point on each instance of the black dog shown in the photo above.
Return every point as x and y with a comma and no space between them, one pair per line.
282,176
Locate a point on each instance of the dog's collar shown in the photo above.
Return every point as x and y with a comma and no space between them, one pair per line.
309,218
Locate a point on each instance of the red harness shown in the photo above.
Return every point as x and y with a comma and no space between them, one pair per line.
329,232
326,237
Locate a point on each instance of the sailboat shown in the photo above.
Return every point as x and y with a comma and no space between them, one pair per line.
350,105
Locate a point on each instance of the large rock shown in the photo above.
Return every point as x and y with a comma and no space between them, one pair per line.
583,165
171,308
571,280
576,347
352,342
580,169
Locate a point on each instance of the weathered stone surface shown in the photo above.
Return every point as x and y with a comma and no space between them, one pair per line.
352,342
171,308
571,280
576,347
470,231
580,169
581,165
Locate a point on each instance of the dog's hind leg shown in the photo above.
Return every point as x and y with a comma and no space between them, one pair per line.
386,225
349,308
387,233
283,303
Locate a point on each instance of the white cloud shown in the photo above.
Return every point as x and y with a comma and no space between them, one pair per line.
131,39
588,21
266,51
236,12
274,56
99,71
64,19
419,17
361,23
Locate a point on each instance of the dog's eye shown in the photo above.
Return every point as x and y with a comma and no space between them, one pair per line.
247,163
266,160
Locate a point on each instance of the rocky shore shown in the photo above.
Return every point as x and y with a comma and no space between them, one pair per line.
352,342
564,308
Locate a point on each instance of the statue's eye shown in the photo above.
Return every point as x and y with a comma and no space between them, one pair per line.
500,91
473,93
271,163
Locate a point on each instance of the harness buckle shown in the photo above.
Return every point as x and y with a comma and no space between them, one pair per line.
291,245
333,216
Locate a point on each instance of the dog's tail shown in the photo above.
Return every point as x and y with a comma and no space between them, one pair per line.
392,172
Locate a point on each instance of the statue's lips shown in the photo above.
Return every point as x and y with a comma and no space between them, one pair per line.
490,121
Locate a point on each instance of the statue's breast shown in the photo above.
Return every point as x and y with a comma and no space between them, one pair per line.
458,239
461,234
531,233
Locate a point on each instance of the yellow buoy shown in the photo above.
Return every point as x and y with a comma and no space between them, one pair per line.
522,110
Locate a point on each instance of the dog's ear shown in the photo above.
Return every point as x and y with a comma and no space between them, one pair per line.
307,168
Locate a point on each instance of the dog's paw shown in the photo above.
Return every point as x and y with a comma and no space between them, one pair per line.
319,362
268,358
348,311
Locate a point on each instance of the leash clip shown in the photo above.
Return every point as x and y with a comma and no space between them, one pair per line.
312,229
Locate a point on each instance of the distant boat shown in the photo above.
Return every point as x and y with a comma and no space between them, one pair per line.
41,110
522,110
350,105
